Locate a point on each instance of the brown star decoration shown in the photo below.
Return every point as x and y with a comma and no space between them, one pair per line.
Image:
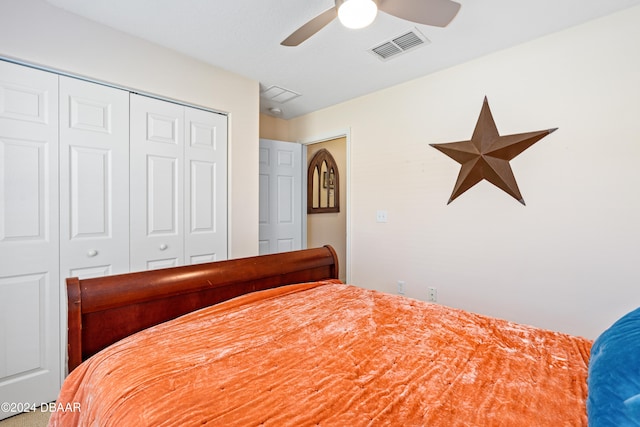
487,155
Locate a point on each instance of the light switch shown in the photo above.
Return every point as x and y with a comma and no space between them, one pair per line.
381,216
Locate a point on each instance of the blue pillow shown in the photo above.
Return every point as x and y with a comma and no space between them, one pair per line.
614,375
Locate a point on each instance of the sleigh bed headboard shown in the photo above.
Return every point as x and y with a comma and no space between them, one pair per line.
103,310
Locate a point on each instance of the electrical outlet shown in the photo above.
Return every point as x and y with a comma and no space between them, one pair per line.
432,295
400,287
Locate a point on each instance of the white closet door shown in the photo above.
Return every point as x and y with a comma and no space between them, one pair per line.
157,157
94,179
205,186
30,367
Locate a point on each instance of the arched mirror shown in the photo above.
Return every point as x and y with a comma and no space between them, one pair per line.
323,193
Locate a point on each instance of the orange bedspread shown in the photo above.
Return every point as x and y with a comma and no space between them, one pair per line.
330,354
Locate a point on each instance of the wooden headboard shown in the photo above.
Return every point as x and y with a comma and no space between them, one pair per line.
103,310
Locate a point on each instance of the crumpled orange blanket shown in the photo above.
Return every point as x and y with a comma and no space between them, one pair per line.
330,354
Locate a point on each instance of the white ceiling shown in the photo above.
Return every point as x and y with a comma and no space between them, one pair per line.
243,36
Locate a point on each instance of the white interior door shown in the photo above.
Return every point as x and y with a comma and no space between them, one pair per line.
205,186
94,179
281,203
157,158
30,367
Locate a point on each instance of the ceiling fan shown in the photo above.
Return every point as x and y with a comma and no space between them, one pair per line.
360,13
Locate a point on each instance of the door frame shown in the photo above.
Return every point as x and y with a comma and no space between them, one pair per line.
339,133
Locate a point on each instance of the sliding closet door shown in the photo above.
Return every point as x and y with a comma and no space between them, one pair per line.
205,186
94,179
29,272
157,158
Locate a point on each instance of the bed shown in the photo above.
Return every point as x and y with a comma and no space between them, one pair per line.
279,340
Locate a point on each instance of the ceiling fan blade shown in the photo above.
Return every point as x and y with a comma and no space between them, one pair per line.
310,28
437,13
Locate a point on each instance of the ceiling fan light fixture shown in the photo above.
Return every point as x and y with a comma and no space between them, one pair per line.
357,14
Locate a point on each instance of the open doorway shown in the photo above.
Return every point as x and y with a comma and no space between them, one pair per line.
283,199
330,228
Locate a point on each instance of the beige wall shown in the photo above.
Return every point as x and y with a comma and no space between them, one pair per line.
566,261
33,31
331,228
274,128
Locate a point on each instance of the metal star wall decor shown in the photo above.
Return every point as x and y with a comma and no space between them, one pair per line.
487,155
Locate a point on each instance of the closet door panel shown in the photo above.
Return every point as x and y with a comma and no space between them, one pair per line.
94,162
206,186
30,366
157,199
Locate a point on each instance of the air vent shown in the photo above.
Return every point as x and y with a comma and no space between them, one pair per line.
279,94
400,44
